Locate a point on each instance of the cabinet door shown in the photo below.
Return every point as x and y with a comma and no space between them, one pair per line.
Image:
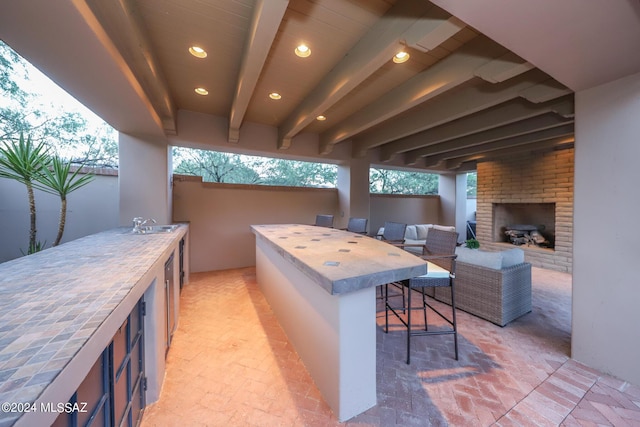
112,393
128,372
90,405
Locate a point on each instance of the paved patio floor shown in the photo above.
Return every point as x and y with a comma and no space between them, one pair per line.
232,365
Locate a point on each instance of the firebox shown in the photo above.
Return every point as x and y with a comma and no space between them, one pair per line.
530,224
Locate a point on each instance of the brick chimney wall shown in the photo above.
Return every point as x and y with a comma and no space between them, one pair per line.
529,178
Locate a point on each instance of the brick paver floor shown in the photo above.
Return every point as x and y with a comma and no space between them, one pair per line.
231,365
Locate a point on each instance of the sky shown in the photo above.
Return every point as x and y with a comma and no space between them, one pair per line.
54,98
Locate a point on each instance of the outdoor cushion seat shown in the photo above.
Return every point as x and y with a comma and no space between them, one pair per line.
357,225
415,235
439,253
324,221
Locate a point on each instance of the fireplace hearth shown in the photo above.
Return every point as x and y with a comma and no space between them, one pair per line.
530,224
533,188
523,234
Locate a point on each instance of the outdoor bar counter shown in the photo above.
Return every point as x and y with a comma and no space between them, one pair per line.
62,307
320,283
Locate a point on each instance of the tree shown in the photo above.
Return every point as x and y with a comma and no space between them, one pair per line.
22,111
387,181
215,166
472,184
23,161
57,178
299,174
96,149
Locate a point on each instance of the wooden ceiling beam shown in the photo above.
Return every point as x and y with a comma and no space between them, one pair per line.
121,21
460,102
523,127
372,51
452,71
509,112
266,20
504,68
550,89
557,143
562,131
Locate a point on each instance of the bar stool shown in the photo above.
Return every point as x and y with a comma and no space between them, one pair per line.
439,253
324,221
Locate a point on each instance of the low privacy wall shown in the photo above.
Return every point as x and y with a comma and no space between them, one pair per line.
220,216
404,209
90,209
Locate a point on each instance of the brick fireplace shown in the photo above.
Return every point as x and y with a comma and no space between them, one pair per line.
531,188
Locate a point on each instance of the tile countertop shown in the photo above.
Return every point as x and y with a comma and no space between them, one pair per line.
337,260
53,301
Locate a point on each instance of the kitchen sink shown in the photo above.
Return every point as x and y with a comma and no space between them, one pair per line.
155,229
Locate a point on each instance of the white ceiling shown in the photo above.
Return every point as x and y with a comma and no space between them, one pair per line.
581,43
479,84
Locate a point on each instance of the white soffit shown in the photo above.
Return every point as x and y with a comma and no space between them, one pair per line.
580,43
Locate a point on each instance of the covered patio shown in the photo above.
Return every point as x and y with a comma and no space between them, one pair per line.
232,364
515,80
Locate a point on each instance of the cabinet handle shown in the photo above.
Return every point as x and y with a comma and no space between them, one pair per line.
167,303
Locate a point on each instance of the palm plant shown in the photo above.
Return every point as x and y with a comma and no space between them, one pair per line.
23,161
58,179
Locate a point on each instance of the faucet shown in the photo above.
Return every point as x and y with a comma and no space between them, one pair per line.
140,225
137,221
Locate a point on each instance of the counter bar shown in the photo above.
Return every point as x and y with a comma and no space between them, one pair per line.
320,283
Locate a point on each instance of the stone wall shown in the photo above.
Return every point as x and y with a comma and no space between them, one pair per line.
530,178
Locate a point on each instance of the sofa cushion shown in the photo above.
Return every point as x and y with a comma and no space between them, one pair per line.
422,230
411,233
512,257
486,259
435,271
444,227
493,260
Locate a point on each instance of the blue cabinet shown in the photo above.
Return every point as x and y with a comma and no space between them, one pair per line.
112,393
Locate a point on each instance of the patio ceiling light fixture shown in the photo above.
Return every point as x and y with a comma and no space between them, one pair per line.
275,95
321,118
198,52
201,91
401,57
303,51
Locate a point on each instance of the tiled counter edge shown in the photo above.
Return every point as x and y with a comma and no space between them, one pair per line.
127,268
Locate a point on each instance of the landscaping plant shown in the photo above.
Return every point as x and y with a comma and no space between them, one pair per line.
32,165
57,178
472,244
23,161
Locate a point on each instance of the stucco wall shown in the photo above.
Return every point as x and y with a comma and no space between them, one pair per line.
144,184
404,209
220,216
606,288
90,209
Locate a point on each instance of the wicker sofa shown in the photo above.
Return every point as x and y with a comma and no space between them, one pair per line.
495,286
416,234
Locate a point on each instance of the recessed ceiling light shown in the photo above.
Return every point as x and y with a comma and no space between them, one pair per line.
401,57
201,91
198,52
321,118
303,51
275,95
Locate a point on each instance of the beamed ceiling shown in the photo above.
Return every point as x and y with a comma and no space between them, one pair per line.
460,98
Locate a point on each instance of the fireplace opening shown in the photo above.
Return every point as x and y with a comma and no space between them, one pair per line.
529,224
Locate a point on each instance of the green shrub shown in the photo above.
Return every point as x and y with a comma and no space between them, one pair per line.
473,244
